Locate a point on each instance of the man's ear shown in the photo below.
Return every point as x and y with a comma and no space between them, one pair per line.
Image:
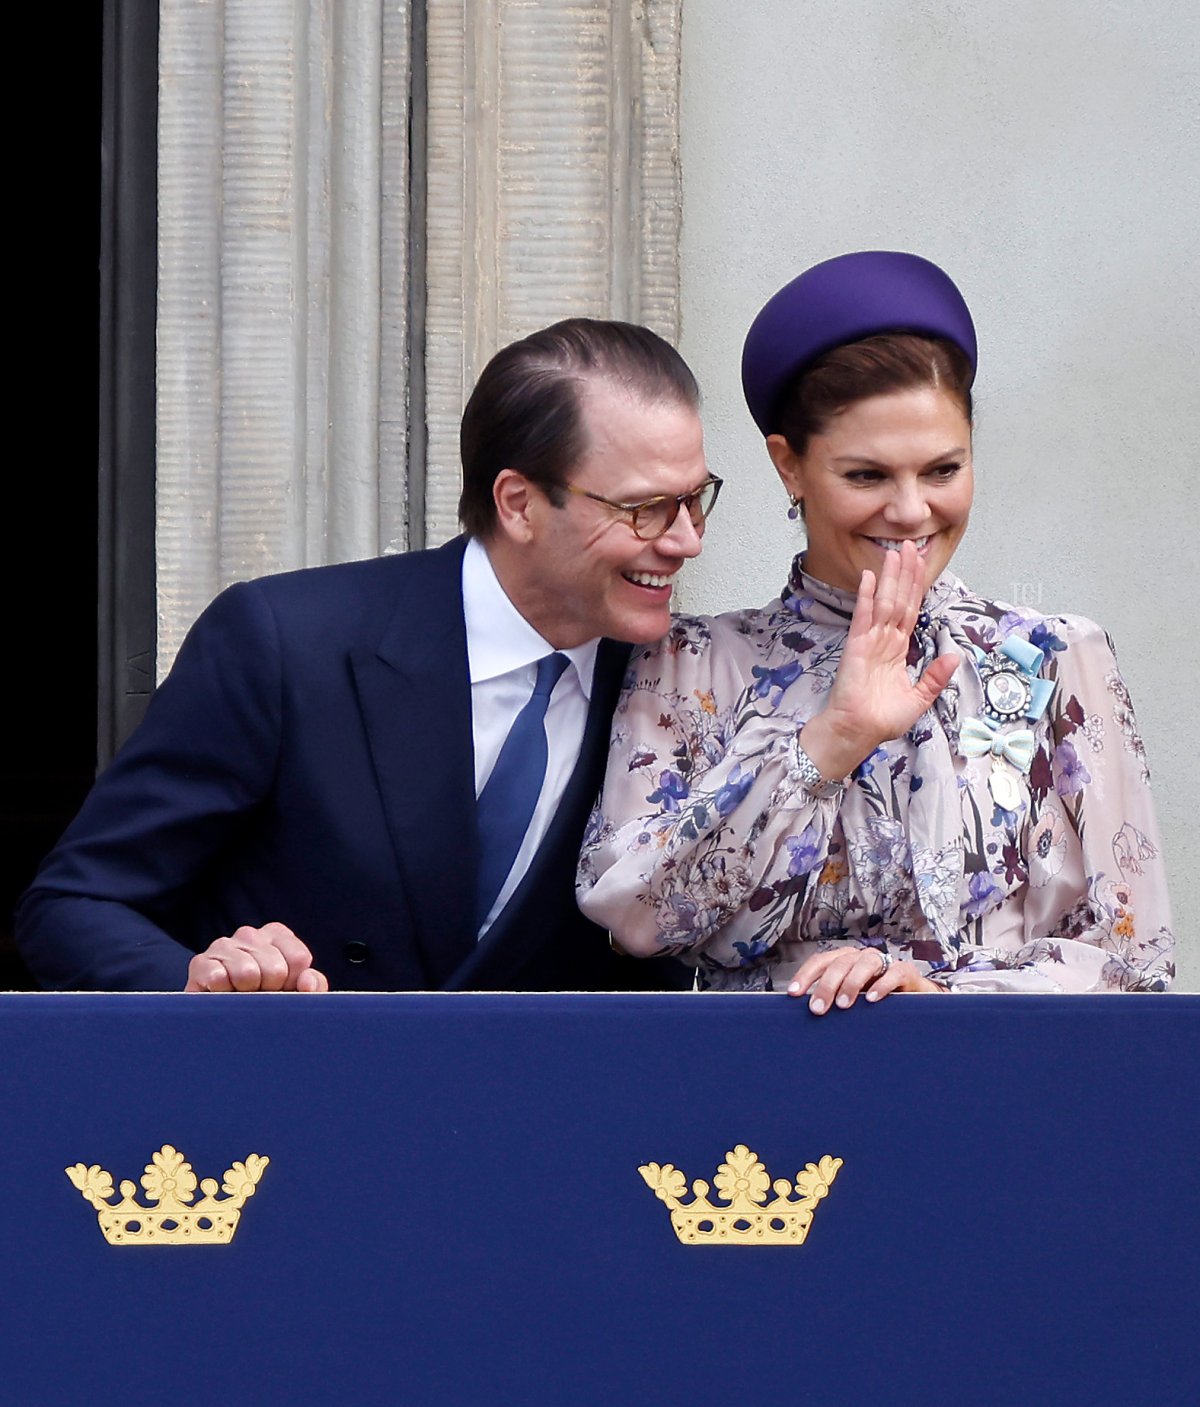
516,502
788,465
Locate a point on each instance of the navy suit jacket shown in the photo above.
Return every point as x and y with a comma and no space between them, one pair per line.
309,760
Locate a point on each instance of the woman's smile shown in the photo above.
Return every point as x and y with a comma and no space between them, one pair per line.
893,544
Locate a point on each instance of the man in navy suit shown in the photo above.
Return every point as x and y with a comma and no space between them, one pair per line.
298,809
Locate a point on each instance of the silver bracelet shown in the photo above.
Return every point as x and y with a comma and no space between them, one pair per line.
810,776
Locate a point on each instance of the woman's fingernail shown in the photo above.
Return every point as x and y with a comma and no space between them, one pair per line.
817,1006
794,989
872,996
843,1000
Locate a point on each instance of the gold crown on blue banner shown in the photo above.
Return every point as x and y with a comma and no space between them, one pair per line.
746,1217
171,1216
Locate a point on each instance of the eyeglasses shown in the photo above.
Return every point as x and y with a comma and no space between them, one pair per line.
655,516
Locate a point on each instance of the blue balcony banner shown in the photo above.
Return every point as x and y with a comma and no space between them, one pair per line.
480,1199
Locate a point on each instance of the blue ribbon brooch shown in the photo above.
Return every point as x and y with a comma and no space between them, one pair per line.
1011,690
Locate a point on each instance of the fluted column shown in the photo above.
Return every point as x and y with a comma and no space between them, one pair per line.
283,291
553,187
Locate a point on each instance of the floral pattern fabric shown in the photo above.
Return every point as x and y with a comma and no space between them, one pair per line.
706,844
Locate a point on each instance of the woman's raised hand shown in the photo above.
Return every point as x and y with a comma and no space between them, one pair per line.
872,699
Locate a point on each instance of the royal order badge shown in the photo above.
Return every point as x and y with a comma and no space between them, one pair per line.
1006,689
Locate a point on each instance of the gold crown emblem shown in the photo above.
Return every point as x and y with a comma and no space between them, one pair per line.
747,1218
172,1217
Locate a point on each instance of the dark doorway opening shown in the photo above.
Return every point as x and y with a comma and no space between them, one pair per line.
80,597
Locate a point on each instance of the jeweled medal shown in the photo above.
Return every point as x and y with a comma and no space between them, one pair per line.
1006,689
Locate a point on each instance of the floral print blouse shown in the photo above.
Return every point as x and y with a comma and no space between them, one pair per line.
706,844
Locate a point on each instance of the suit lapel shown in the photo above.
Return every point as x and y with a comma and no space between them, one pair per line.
514,937
415,697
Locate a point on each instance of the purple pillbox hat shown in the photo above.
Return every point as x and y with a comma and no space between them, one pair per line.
844,300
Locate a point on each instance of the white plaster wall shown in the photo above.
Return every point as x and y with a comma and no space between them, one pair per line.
1047,157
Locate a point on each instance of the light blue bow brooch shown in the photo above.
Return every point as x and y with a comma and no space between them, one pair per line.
1011,690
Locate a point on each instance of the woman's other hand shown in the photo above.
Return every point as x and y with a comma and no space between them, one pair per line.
872,699
840,976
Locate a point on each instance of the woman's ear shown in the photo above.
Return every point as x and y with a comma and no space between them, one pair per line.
788,465
515,500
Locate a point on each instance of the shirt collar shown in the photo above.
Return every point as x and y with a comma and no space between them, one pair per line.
499,638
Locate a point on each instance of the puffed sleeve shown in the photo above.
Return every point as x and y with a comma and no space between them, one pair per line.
705,838
1096,914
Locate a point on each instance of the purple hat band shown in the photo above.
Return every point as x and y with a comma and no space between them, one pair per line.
844,300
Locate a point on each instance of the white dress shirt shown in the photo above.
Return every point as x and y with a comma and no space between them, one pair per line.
502,654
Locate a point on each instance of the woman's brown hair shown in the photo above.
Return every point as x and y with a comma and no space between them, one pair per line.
876,366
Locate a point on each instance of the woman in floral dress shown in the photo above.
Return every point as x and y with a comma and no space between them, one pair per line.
879,781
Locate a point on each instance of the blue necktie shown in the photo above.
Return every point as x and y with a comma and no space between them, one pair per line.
507,802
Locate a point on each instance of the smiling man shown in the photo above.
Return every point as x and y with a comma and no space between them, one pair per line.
376,776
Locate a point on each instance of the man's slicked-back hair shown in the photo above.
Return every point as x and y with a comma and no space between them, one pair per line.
525,414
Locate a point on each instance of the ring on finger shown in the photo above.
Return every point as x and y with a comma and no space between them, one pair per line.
887,962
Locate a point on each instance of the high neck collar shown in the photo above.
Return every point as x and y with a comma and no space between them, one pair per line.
817,601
